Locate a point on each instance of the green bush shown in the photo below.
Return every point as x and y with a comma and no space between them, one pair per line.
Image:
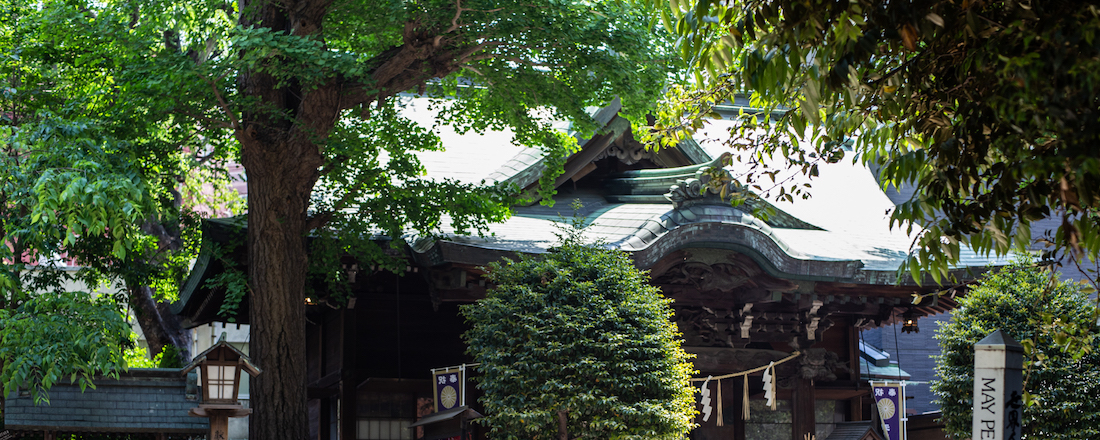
169,357
579,332
138,357
1056,323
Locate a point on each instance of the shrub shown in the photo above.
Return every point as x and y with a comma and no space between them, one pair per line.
579,335
1062,378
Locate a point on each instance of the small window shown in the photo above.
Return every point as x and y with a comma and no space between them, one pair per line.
385,416
384,429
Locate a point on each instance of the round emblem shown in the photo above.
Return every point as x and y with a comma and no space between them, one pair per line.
448,397
886,408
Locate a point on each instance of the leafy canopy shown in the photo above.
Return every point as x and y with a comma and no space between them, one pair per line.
108,107
1061,382
579,330
70,336
94,173
987,108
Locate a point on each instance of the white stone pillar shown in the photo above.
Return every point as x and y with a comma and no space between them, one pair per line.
998,388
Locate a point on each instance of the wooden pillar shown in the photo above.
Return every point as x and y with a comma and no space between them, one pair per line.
736,399
855,409
348,422
854,354
219,418
349,376
324,415
802,410
219,426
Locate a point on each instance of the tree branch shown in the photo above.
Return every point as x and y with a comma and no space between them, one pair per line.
458,14
233,123
454,21
200,159
318,220
423,56
207,119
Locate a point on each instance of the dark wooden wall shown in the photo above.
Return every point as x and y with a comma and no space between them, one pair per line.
386,344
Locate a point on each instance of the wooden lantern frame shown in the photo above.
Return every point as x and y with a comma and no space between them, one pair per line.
214,388
220,391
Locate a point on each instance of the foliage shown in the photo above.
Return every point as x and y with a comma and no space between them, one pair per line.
96,167
66,336
579,330
72,62
375,190
138,357
1061,383
95,173
987,108
168,357
305,95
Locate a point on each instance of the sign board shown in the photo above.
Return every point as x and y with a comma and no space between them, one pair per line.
998,388
890,400
449,388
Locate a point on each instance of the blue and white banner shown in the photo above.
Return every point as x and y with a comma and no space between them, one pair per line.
890,400
448,385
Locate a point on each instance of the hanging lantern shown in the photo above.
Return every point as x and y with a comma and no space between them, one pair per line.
909,322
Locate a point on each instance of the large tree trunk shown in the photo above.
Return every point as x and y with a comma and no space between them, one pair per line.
282,157
281,140
278,195
277,262
159,325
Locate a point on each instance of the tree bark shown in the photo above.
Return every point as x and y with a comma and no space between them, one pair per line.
563,424
277,262
159,325
281,139
282,158
173,327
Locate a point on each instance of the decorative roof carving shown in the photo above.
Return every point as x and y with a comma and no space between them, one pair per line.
707,327
722,277
704,327
717,272
710,184
628,151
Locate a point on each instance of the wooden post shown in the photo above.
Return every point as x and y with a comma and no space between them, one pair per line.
349,377
324,414
998,388
802,409
219,426
855,409
348,408
219,418
736,400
